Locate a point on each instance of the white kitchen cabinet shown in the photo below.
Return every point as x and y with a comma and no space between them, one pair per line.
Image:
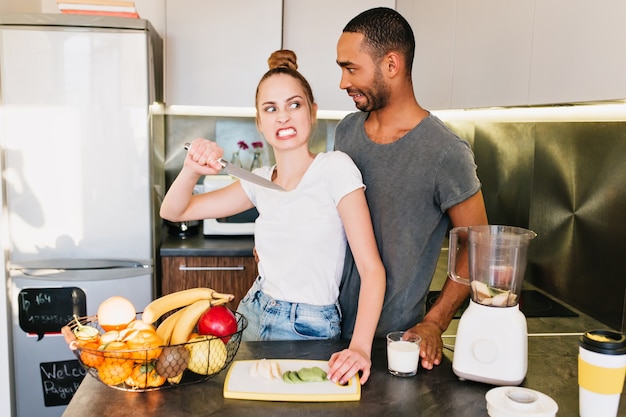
311,29
216,50
578,51
492,50
433,26
470,53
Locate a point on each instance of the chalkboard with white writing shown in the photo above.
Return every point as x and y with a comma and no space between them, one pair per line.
47,310
60,380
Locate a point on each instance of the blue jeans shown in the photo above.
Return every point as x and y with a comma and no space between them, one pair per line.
270,319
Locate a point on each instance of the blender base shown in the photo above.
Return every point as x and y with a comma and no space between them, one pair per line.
491,345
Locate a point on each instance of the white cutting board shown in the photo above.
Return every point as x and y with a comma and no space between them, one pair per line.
239,384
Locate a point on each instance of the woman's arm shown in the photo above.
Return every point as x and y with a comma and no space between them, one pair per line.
357,223
179,203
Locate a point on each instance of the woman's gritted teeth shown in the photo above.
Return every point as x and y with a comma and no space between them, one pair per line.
288,132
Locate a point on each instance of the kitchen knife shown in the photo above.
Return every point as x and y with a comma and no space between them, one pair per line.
244,174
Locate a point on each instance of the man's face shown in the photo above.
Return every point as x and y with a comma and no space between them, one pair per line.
361,77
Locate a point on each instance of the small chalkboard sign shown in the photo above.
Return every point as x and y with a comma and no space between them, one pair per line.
47,310
60,380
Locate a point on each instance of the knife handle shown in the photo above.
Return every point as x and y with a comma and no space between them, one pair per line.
223,163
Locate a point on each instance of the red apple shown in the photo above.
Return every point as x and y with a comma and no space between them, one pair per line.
218,321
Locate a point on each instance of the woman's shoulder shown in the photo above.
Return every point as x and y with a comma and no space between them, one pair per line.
335,158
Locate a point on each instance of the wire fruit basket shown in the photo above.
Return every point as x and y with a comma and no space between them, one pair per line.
155,368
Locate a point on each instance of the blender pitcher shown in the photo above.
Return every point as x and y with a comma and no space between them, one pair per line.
497,262
491,343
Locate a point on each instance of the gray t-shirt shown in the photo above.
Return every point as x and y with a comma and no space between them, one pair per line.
411,183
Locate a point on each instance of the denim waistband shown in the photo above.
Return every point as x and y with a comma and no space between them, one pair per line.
294,308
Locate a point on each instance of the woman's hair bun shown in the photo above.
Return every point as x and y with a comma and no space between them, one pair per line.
283,58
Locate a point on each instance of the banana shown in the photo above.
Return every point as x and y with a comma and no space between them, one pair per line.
169,302
188,320
167,326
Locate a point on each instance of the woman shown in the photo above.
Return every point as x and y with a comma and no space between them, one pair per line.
300,234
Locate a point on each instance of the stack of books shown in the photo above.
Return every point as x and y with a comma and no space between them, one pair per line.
120,8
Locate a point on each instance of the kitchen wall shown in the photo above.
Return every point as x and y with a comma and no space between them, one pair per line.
563,179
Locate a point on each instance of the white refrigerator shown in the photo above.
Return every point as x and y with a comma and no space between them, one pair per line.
82,168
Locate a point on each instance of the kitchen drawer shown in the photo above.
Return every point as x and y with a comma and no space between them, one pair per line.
226,274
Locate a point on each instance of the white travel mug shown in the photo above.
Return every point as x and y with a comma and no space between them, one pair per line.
601,372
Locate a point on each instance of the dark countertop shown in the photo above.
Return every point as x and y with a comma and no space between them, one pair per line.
552,370
199,245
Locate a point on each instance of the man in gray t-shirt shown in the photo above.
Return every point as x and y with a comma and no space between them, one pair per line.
420,178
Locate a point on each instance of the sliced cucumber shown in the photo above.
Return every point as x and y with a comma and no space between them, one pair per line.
314,374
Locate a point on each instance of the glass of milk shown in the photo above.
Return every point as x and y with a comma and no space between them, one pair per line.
403,353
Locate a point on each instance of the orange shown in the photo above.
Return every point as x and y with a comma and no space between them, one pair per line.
90,355
115,313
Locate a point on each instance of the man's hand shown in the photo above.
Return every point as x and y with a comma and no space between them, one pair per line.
431,347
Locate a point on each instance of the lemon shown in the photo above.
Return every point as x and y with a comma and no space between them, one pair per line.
207,355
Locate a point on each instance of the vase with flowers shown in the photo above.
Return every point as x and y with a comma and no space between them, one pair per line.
256,159
235,159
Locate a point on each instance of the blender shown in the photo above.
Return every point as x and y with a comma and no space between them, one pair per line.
492,338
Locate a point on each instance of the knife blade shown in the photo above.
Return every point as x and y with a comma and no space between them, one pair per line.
244,174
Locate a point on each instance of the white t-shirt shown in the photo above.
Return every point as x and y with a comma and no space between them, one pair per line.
299,236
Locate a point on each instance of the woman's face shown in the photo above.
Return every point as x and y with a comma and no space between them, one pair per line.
284,116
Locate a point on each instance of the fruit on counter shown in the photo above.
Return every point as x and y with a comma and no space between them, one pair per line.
145,376
115,313
218,321
115,371
207,355
139,325
187,321
314,374
172,361
110,336
166,328
145,344
176,300
115,349
117,365
90,354
267,369
84,334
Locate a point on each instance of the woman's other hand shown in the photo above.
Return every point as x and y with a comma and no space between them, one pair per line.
345,364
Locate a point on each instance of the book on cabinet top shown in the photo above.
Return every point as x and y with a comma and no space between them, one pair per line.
134,15
119,3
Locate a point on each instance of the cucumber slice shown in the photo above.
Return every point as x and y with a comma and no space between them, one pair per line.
314,374
294,378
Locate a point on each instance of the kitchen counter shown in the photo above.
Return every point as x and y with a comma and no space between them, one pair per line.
199,245
552,370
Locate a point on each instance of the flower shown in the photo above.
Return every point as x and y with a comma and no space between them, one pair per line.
243,145
257,145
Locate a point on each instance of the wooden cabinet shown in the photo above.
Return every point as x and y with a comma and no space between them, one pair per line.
226,274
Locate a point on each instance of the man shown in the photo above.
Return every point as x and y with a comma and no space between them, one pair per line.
420,177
